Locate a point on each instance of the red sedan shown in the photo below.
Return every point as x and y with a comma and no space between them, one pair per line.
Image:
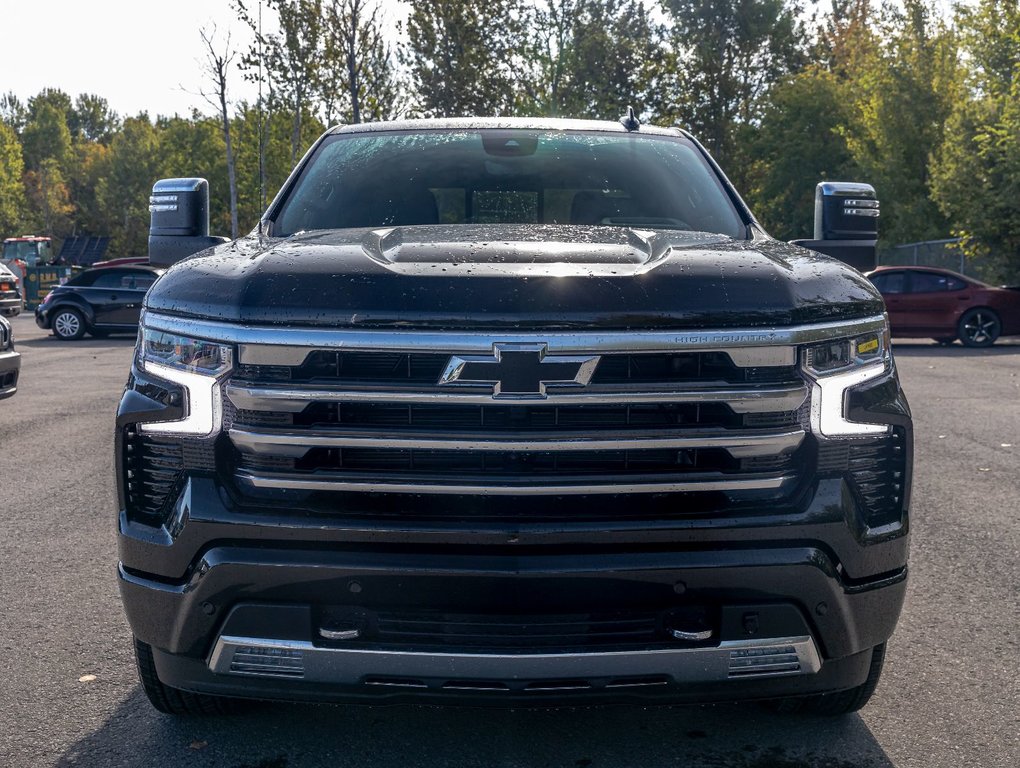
945,305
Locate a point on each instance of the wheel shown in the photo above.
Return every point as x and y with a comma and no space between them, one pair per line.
174,701
68,324
945,341
979,327
842,702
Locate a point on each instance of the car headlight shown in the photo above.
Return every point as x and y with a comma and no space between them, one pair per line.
835,367
196,365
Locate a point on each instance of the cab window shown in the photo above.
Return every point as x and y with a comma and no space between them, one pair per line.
111,279
890,282
929,282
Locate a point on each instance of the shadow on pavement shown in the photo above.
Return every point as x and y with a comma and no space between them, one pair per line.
295,736
928,349
52,342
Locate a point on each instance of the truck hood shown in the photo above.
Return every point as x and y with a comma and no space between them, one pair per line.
521,276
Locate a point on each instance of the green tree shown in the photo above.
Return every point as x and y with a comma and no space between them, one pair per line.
13,112
12,192
591,58
195,147
903,92
135,165
91,119
362,82
464,58
293,56
722,58
49,201
801,141
976,175
89,164
46,136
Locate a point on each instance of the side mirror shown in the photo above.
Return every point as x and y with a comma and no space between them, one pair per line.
179,220
846,223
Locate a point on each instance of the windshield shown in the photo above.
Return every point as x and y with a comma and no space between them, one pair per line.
508,177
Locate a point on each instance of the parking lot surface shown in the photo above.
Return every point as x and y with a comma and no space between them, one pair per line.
950,695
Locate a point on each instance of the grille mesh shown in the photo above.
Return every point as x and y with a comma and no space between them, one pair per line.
877,471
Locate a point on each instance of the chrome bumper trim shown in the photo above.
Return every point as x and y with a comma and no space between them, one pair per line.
302,660
276,345
499,487
296,443
293,400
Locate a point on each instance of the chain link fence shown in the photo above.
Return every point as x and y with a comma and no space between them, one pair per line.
944,254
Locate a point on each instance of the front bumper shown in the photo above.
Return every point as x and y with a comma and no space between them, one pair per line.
244,598
10,305
42,318
10,367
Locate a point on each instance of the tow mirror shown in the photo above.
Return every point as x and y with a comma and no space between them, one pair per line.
846,223
179,220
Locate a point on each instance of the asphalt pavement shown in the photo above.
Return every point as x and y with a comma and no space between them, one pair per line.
950,695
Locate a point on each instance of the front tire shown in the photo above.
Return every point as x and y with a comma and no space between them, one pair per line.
842,702
979,327
174,701
68,324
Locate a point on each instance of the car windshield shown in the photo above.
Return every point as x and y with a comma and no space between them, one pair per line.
511,176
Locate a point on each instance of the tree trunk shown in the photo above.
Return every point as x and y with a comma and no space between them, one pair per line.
352,62
231,172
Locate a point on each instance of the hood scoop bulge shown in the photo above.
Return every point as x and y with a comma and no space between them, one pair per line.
522,250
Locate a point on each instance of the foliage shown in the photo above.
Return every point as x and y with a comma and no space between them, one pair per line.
976,175
461,56
590,58
924,107
903,93
135,163
800,143
363,83
724,56
12,191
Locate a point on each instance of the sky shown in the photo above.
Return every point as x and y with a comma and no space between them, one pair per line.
141,55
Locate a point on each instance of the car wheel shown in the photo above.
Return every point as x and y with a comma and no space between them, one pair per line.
174,701
979,327
68,324
842,702
945,341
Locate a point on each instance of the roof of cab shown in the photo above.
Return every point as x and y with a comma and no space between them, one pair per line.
496,123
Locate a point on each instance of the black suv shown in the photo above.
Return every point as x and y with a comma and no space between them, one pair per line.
510,411
97,301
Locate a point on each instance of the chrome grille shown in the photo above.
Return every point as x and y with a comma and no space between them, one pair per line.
267,662
379,421
425,369
765,661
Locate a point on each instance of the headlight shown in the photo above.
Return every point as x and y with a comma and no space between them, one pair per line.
837,366
195,364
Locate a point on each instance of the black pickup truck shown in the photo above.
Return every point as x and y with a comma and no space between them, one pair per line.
512,411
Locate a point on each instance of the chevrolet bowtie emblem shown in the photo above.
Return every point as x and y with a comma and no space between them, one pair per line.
519,370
